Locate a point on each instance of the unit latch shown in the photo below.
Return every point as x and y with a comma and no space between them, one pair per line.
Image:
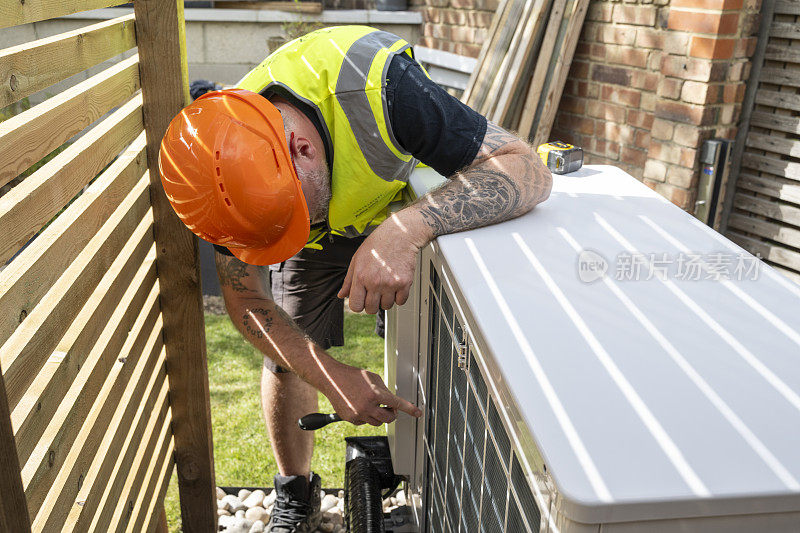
463,360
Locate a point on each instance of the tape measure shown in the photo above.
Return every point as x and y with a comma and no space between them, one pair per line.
560,157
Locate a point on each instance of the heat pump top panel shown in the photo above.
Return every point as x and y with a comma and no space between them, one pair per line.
655,363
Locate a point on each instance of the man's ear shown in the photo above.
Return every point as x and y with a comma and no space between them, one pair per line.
302,148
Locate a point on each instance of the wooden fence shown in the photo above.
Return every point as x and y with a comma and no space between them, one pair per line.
762,205
104,385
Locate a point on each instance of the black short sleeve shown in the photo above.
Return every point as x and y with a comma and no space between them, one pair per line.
432,125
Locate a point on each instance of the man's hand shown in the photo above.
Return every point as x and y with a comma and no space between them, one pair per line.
359,397
382,269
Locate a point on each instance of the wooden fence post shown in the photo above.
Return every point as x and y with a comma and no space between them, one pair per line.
13,506
163,73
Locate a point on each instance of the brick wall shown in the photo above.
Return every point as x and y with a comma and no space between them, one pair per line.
458,26
651,81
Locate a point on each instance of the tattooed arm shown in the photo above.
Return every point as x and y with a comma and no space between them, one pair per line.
356,395
506,180
249,302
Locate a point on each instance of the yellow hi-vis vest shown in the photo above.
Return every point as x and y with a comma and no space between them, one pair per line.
340,72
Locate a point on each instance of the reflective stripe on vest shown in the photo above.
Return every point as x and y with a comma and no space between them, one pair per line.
350,92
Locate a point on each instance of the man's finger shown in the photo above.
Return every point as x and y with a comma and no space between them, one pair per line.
345,290
387,301
401,403
402,296
372,301
374,421
385,414
357,295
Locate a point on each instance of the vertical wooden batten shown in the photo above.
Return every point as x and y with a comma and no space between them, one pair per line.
163,74
13,506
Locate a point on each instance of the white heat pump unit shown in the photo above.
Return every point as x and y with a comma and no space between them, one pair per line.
603,364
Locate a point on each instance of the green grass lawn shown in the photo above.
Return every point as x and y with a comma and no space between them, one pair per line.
242,455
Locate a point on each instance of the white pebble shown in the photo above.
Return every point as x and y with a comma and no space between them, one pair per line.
255,499
326,527
328,502
270,498
220,493
335,519
255,513
341,495
258,527
233,503
243,494
240,513
226,520
401,498
239,525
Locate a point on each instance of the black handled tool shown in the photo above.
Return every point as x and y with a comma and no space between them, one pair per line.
316,421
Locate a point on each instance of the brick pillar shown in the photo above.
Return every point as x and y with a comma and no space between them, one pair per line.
703,67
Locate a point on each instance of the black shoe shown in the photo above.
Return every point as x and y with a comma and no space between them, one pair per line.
296,508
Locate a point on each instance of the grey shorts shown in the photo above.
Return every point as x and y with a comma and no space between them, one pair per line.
305,286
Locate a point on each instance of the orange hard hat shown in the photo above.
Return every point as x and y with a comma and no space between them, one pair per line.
228,174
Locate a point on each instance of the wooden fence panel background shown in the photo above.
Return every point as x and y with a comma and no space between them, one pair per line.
762,205
99,284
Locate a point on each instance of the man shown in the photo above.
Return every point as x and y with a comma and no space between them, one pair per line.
298,173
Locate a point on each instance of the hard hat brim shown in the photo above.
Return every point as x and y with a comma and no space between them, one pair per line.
292,241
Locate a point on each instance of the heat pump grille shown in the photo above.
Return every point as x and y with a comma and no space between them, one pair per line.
495,489
474,480
525,495
455,457
473,466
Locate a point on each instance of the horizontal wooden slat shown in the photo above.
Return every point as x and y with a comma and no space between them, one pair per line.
144,343
785,190
147,475
769,252
142,444
763,228
26,208
787,7
27,349
777,76
767,208
67,432
776,99
137,419
29,136
785,30
777,52
791,274
33,66
16,13
773,165
153,504
43,262
41,400
773,143
776,122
